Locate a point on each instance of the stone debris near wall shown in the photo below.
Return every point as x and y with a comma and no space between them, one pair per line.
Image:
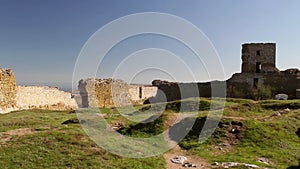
113,93
44,97
7,91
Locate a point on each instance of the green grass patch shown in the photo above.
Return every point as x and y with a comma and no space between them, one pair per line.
57,145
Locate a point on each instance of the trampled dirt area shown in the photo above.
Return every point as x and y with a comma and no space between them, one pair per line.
177,151
6,136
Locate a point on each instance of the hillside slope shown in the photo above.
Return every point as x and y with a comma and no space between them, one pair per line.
263,130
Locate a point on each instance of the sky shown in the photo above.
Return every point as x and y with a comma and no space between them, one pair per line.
41,40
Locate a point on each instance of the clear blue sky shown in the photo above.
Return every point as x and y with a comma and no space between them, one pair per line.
40,40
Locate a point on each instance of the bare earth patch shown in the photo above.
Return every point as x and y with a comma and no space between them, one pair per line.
6,136
177,151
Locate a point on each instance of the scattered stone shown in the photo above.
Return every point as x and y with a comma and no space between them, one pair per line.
276,114
281,112
264,160
189,165
235,164
281,96
117,126
285,111
235,131
216,163
179,159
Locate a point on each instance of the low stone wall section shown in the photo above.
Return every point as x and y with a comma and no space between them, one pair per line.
44,97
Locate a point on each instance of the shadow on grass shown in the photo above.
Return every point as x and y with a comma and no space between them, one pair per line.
298,132
154,127
175,132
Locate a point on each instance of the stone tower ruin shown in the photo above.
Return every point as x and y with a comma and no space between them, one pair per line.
259,58
259,73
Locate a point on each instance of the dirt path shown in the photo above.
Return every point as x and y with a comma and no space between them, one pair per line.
177,151
247,118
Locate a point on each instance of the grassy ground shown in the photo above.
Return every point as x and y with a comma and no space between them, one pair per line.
51,144
54,145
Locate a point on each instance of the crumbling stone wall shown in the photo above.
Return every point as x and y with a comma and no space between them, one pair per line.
259,67
104,93
177,91
44,97
284,82
113,93
259,57
242,85
7,91
140,93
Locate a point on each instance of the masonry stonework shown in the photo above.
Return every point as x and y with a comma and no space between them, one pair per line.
13,97
113,93
44,97
7,91
259,57
140,93
259,68
177,91
99,93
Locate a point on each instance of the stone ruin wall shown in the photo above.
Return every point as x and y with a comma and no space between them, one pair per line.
13,97
7,91
140,93
264,53
176,91
241,85
107,93
286,82
298,93
259,67
44,97
98,93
